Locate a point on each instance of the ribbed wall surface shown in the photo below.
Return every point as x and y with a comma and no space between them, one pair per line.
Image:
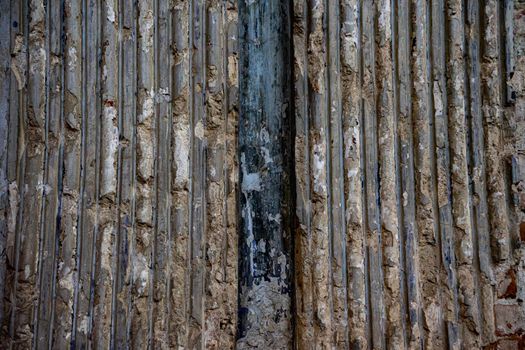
119,174
118,145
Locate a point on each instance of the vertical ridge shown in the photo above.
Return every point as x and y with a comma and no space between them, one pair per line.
426,206
372,178
321,264
336,173
442,166
304,335
181,144
388,175
463,230
353,184
482,247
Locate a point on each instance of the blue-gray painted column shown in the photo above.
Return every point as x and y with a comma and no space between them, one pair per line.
265,165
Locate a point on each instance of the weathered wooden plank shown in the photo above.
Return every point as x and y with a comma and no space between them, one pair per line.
197,221
304,307
388,174
127,174
425,177
372,218
6,133
90,175
52,180
181,148
67,256
142,258
492,100
265,152
319,171
409,236
33,119
482,249
335,181
162,173
109,196
440,136
219,330
351,79
462,211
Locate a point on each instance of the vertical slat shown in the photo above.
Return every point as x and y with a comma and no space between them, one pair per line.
219,331
304,312
89,194
426,206
142,264
33,123
52,180
109,196
6,134
415,334
69,223
197,171
443,191
492,109
319,124
126,210
388,174
481,247
463,229
353,173
372,177
181,148
231,168
16,162
163,136
336,182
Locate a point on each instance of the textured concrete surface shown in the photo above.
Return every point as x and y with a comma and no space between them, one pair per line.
381,164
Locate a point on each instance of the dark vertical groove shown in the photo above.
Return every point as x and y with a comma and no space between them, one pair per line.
132,219
6,129
363,179
117,231
45,169
410,227
372,212
403,290
328,145
191,98
151,300
169,197
442,165
57,227
23,9
98,119
80,217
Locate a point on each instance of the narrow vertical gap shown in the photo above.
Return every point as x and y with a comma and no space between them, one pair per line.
363,180
80,210
45,179
156,135
98,119
60,185
21,170
117,230
328,145
403,289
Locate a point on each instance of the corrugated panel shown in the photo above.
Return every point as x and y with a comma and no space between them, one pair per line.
119,174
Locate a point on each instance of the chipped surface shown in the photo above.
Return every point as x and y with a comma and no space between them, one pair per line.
372,196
